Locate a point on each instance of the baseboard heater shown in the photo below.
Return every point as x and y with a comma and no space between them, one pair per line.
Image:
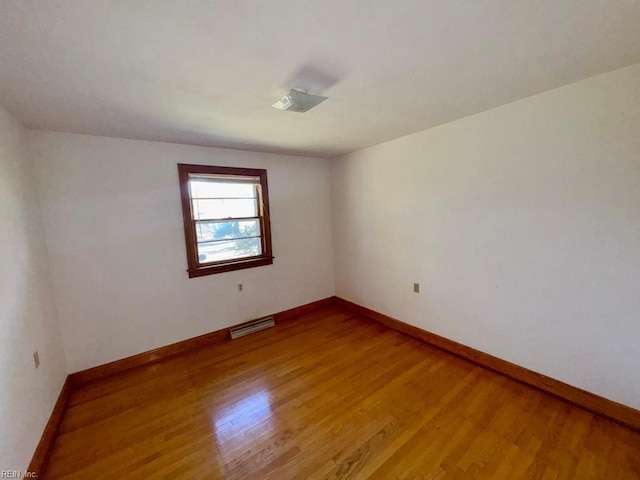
252,327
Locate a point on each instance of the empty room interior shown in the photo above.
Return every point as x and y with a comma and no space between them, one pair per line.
347,239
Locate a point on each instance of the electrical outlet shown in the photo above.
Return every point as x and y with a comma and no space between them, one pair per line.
416,288
36,359
240,287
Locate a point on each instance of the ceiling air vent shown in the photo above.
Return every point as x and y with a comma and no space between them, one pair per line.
298,100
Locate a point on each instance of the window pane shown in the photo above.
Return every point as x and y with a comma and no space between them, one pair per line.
210,231
212,189
224,208
229,250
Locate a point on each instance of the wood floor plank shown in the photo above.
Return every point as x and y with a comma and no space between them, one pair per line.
330,395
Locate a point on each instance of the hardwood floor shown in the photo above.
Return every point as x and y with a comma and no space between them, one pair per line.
330,395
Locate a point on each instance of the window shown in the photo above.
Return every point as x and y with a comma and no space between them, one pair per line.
226,218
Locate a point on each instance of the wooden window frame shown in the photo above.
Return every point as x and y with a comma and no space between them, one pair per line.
195,268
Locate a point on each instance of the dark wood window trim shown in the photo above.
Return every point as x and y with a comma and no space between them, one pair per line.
196,269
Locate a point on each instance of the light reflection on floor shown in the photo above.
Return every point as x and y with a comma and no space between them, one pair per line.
242,421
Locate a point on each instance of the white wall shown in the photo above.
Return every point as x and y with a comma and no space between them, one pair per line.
115,235
28,320
522,225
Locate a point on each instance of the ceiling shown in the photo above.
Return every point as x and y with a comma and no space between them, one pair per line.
206,72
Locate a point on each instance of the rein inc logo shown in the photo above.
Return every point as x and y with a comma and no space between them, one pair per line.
17,474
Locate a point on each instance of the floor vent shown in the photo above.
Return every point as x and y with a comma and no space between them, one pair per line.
252,327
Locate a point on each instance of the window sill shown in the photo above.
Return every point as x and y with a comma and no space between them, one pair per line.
229,266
